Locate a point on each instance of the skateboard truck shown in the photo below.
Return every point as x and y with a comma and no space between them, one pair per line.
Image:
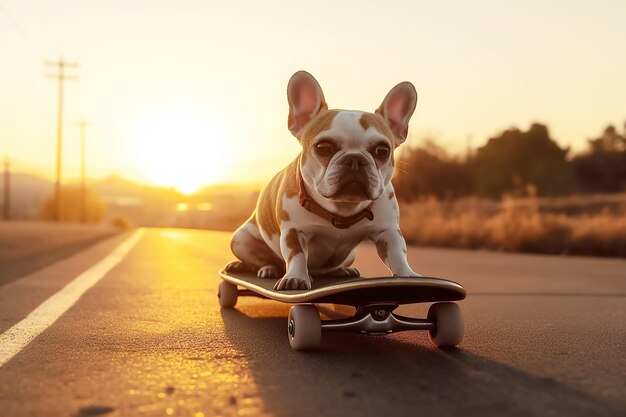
376,319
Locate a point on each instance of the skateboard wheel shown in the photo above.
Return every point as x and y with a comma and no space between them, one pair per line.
304,327
227,294
449,325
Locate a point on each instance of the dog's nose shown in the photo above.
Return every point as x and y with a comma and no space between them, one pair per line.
355,162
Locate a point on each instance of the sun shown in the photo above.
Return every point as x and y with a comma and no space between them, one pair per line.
182,149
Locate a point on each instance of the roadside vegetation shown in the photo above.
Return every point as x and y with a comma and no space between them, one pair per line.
520,192
90,210
576,225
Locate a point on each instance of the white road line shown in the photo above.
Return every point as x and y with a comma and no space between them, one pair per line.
21,334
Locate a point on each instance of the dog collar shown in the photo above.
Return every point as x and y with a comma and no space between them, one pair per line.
340,222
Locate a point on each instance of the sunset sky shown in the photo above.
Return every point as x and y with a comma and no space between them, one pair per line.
189,92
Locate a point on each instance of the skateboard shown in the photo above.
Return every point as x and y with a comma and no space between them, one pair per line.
374,299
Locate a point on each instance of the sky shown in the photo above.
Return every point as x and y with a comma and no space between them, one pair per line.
191,92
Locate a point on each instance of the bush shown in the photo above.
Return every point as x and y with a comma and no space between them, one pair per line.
122,222
71,206
516,224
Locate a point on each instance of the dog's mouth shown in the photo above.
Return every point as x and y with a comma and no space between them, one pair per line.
352,190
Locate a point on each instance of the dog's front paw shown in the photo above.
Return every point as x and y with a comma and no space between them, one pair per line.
293,283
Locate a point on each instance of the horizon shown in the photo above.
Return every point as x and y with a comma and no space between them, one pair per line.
191,91
250,186
73,181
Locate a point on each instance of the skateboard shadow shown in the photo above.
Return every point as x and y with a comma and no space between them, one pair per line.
399,374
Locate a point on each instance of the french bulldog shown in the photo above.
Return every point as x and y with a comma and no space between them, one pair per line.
335,194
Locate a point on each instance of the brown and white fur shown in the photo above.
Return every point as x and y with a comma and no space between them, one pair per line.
346,165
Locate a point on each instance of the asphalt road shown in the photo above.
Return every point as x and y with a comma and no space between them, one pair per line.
545,336
26,246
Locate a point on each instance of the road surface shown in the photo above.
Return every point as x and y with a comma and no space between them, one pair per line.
545,336
26,246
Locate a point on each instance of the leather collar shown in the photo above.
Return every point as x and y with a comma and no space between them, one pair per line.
340,222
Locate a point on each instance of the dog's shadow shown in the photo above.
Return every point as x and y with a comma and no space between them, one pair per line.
398,374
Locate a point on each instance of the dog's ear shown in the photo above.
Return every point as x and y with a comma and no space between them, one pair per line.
397,108
306,100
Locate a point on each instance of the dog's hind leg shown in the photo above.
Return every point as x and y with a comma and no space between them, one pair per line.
253,253
270,271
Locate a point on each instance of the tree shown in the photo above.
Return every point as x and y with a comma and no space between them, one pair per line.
428,170
516,159
603,167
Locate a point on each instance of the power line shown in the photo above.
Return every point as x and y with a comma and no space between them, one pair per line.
60,76
34,43
18,27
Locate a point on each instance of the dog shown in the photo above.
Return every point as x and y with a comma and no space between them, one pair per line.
335,194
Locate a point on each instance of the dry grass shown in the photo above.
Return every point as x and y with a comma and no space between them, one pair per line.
579,225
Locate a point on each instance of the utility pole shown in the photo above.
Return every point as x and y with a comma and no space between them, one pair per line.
468,151
83,125
7,189
60,76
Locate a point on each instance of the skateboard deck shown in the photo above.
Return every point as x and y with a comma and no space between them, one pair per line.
354,291
375,300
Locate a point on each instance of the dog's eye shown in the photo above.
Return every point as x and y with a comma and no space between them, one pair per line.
381,152
325,148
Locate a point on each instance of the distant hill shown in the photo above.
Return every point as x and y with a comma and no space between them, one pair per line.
222,189
115,189
30,182
27,194
216,206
